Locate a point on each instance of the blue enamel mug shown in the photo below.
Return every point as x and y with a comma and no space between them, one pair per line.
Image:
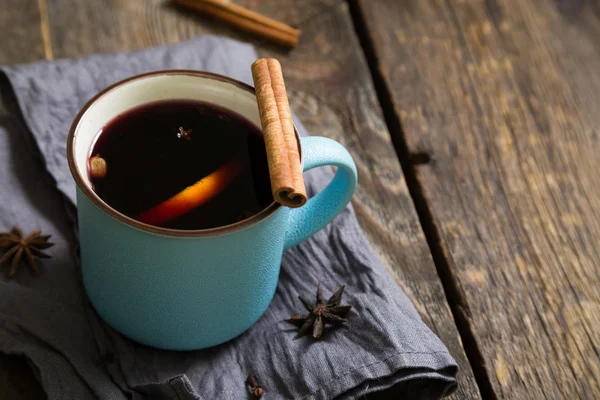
190,289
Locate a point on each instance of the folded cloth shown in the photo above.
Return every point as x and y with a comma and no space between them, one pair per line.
48,319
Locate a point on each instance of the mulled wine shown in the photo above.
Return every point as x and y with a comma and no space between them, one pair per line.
181,164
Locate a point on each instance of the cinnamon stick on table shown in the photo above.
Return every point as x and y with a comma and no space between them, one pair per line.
245,19
287,182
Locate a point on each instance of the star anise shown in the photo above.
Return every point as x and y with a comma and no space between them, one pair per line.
322,313
255,389
184,133
20,246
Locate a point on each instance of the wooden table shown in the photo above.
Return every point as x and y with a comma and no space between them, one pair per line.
474,125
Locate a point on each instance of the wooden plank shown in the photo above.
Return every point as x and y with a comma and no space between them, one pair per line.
331,92
504,94
21,37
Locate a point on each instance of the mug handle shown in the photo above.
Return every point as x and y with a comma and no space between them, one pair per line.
327,204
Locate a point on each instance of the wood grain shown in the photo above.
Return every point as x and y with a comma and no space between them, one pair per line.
504,95
330,89
20,32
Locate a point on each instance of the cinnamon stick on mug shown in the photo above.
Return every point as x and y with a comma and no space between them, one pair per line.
283,156
245,19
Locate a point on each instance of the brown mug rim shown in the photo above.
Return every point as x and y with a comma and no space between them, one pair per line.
97,201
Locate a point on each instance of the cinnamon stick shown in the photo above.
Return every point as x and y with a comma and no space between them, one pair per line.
245,19
287,182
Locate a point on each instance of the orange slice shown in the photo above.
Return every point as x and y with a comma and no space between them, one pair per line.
193,196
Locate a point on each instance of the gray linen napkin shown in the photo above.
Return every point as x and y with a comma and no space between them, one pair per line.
48,319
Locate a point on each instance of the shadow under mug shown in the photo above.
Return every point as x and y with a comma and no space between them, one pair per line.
190,289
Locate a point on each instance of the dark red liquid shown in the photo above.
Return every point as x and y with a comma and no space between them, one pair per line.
149,161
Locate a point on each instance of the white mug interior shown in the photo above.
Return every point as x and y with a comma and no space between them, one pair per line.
150,88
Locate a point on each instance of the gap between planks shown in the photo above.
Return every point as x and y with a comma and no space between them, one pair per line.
409,162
